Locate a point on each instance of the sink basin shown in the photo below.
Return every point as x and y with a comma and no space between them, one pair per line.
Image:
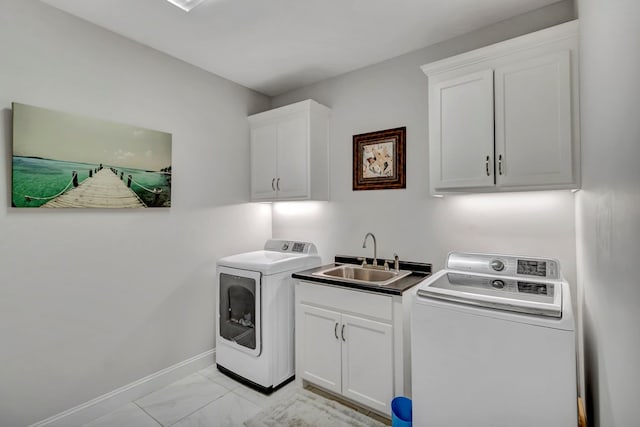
351,273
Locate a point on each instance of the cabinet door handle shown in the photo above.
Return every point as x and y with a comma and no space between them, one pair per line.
335,331
272,184
278,184
500,164
342,332
486,165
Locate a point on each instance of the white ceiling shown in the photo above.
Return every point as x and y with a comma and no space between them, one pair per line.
273,46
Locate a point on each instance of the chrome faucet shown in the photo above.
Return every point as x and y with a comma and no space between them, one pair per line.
375,248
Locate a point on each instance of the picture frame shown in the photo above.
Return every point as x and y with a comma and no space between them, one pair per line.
379,160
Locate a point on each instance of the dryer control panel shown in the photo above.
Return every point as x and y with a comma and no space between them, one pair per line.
505,265
290,246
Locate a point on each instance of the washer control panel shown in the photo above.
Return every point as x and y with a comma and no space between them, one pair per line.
497,265
507,265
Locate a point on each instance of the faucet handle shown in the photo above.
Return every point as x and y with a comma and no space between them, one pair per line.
396,262
364,261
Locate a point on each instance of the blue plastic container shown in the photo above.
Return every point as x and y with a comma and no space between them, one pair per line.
401,412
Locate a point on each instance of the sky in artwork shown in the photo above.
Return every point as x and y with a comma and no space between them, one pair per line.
39,132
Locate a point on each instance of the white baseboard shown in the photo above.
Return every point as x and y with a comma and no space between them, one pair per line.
108,402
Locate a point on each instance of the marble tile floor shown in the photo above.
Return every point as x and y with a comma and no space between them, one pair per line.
206,398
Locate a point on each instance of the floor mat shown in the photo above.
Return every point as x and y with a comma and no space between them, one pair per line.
307,409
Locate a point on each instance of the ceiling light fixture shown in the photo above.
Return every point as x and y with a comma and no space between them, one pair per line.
185,5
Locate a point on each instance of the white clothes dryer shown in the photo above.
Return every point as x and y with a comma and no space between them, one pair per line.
255,312
493,344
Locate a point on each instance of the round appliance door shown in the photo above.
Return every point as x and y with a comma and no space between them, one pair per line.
239,309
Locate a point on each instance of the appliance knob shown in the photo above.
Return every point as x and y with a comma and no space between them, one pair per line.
498,284
497,265
285,246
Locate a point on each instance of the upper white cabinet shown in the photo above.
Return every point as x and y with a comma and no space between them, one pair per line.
461,131
289,153
533,121
505,117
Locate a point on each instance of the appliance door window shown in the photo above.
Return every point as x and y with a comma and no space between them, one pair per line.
239,309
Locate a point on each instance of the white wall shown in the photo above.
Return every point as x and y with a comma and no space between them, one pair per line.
410,222
93,300
608,209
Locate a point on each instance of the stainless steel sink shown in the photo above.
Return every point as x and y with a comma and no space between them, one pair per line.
351,273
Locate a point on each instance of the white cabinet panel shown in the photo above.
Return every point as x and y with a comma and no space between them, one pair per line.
263,162
293,158
345,343
505,117
320,347
367,362
461,132
533,121
283,142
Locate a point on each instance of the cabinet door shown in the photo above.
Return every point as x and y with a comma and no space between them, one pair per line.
533,121
263,162
293,158
461,131
367,362
319,347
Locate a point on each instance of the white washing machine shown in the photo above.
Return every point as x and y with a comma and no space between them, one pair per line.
493,345
255,312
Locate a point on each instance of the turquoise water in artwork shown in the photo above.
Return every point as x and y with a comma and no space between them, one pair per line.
143,181
36,181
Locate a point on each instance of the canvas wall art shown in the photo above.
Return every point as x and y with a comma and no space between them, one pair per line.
63,160
379,160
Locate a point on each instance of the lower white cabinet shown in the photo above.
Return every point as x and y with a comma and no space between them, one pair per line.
367,361
320,347
345,343
349,355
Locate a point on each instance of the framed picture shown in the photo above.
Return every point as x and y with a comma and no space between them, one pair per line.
379,160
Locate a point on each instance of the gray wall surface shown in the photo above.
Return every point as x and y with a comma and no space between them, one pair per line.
91,300
608,209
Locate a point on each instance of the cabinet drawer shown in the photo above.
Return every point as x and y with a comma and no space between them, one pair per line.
345,300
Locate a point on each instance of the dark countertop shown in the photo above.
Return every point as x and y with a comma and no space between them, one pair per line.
419,272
